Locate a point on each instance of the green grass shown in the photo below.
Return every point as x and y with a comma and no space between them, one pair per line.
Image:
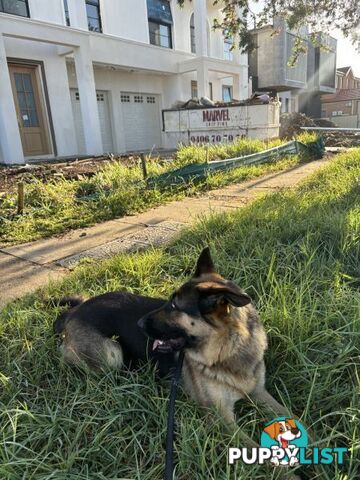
296,252
119,190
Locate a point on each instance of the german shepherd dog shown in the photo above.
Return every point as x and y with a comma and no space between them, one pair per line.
211,318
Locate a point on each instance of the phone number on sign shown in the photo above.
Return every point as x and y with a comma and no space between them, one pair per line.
215,138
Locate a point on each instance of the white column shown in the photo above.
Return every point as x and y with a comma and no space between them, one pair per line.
77,14
88,103
200,22
60,102
217,89
237,93
202,80
11,150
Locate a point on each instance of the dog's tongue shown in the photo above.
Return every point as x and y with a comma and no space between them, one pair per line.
284,443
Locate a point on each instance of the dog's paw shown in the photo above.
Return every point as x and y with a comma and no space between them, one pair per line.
293,461
275,462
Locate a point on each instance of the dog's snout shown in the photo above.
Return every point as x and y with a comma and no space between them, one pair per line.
295,431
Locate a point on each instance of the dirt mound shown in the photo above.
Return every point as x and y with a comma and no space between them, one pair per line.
291,123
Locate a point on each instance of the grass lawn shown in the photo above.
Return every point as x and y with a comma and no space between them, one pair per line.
119,190
296,252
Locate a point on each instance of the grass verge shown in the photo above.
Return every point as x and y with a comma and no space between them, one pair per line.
119,190
296,252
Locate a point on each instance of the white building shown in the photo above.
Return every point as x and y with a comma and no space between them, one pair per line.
86,77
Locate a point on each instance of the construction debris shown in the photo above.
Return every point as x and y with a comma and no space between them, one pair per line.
75,169
257,98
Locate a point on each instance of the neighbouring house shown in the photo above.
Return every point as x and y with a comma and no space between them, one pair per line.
298,87
345,79
86,77
342,108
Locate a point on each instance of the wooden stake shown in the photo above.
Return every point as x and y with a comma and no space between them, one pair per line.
143,165
207,153
21,198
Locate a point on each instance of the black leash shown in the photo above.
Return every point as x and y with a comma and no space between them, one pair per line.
169,458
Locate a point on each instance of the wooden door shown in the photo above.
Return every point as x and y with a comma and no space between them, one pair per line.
30,108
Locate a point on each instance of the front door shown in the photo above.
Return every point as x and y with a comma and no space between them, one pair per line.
30,110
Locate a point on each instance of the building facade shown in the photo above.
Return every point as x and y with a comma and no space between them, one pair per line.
299,87
343,102
343,106
346,80
87,77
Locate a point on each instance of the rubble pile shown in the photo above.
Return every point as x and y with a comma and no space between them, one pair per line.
291,123
48,171
341,139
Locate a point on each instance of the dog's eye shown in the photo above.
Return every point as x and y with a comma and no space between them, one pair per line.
173,305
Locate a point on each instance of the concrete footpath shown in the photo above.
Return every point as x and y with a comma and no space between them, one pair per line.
26,267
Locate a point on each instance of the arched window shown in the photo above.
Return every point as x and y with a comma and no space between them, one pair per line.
192,34
228,45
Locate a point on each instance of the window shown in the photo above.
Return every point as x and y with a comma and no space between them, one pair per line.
228,45
211,91
348,104
160,22
25,93
192,34
125,98
227,93
15,7
138,99
150,100
93,15
160,35
194,89
67,15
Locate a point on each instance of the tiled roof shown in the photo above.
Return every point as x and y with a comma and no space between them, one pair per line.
342,95
343,69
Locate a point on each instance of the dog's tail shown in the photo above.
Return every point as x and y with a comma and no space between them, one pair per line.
70,302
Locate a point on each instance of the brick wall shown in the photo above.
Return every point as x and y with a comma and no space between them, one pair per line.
345,107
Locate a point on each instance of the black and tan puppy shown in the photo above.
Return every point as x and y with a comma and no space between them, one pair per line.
209,316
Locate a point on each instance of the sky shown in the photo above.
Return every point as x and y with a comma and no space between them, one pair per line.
347,54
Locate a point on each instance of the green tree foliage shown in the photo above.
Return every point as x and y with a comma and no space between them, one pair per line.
241,16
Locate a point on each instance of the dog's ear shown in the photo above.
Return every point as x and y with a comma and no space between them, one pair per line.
204,264
229,292
291,422
271,430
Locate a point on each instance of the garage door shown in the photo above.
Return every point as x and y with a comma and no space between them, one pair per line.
141,120
104,117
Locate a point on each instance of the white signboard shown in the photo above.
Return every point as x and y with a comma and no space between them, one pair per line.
222,124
